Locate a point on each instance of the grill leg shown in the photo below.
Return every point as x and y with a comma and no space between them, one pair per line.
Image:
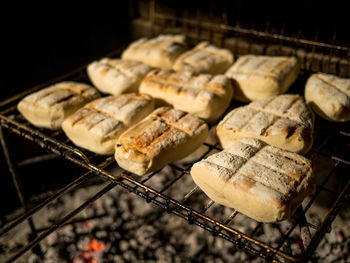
37,249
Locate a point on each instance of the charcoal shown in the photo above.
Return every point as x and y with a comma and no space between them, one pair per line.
126,229
123,245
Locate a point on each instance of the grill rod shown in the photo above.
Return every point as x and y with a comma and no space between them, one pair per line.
63,220
60,193
251,32
19,190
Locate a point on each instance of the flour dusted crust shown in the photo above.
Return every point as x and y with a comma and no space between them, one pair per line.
259,77
284,121
206,96
98,125
263,182
48,107
166,135
329,96
159,52
116,76
205,58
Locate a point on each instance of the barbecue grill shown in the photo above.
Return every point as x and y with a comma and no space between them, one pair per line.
226,25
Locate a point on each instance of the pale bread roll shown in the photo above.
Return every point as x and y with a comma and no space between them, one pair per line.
205,58
166,135
204,95
116,76
98,125
263,182
329,96
284,121
259,77
48,107
158,52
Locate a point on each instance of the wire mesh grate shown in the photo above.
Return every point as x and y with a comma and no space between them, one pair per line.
331,145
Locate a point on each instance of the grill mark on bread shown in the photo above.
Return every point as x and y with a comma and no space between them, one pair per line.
198,55
169,78
58,94
150,134
247,120
162,127
333,85
96,107
296,158
282,180
93,124
294,99
204,95
249,112
265,129
277,66
243,62
232,175
204,57
259,64
177,122
45,95
83,114
274,70
249,168
166,44
269,164
50,106
64,99
290,130
119,69
104,113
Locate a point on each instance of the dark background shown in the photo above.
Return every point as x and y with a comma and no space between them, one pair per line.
44,41
47,41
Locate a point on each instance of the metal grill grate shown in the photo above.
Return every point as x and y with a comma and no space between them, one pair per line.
331,145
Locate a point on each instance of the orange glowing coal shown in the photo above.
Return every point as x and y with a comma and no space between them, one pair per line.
95,245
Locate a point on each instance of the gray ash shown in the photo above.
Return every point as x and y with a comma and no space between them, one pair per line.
123,228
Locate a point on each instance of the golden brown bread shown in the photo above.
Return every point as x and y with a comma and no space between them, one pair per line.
98,125
259,77
204,58
284,121
329,96
166,135
116,76
158,52
206,96
48,107
263,182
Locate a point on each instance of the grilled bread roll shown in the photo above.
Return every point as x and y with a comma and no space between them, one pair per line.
283,121
115,76
98,125
329,96
48,107
259,77
166,135
158,52
263,182
205,58
204,95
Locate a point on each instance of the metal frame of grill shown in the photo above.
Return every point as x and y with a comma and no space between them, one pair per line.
56,142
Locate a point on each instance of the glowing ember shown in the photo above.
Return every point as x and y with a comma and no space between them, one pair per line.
95,245
92,252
